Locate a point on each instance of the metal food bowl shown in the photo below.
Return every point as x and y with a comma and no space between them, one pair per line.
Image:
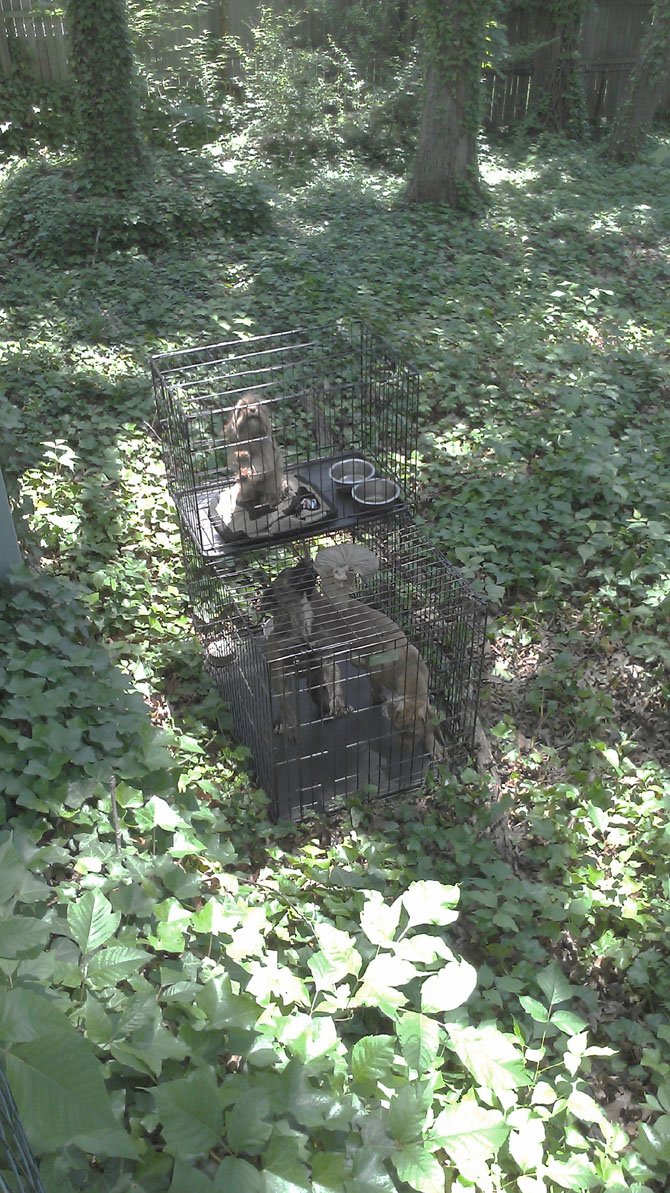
375,492
351,471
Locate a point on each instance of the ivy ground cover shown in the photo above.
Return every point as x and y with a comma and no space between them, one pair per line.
466,992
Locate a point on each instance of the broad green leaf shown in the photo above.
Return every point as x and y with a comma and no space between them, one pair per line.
283,1169
554,985
419,1040
493,1059
379,921
26,1016
423,948
271,981
22,936
653,1141
526,1144
218,917
372,1059
99,1025
577,1173
247,1126
419,1169
92,921
406,1115
224,1008
470,1135
448,989
535,1009
387,970
309,1037
58,1086
430,902
338,957
190,1113
114,964
370,1174
568,1022
13,873
236,1176
584,1107
328,1172
187,1179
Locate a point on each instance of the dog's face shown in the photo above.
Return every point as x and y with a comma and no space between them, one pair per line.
408,717
248,420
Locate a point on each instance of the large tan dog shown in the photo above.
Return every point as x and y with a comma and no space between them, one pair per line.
314,634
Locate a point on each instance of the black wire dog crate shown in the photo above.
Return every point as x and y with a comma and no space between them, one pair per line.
277,436
395,649
18,1169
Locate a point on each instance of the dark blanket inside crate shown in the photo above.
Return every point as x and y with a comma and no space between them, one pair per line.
302,506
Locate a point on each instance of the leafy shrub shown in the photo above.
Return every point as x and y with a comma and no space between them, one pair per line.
47,213
67,715
34,114
302,100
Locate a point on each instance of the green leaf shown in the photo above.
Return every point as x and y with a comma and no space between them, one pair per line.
92,921
419,1169
577,1173
237,1176
338,957
13,873
448,989
224,1008
554,984
328,1172
653,1140
492,1058
283,1170
190,1112
379,921
372,1060
535,1009
430,902
526,1143
60,1093
419,1040
406,1115
568,1022
22,936
187,1179
470,1135
114,964
247,1128
584,1107
423,949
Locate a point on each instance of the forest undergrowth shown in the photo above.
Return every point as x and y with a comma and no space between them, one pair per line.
194,999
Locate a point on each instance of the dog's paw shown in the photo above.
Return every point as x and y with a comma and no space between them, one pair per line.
339,707
283,729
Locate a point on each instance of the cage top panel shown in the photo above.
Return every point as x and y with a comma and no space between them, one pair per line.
235,365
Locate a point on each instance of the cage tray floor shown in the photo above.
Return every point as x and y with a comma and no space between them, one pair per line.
195,515
333,758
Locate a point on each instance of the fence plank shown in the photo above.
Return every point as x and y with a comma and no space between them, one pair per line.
611,37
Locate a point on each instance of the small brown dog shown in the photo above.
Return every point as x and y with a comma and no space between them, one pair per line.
254,456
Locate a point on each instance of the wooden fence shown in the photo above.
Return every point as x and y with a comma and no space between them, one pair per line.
611,36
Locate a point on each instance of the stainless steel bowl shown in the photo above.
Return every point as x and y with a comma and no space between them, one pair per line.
375,492
351,471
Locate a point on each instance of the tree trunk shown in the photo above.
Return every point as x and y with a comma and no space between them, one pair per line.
647,86
445,168
109,141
